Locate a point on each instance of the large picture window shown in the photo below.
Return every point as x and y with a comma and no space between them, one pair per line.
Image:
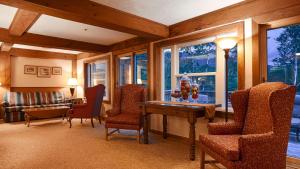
283,64
203,63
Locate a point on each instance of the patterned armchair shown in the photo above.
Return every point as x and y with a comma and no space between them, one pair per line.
94,97
257,138
126,112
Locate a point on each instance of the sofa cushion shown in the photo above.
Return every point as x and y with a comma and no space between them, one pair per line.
55,97
38,98
226,145
16,99
131,119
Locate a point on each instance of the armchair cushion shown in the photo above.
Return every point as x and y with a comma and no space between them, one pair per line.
131,119
226,145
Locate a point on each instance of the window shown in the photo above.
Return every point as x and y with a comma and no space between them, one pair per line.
98,73
201,61
283,64
140,68
167,74
125,71
133,68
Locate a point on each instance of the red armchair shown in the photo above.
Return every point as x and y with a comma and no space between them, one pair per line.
94,97
258,136
126,112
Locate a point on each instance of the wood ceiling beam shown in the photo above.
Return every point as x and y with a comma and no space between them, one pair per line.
260,10
92,13
5,47
41,54
129,43
51,42
22,22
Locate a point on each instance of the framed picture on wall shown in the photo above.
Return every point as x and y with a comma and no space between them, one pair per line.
56,71
30,69
44,72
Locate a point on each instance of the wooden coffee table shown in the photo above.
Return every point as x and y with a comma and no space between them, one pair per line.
45,112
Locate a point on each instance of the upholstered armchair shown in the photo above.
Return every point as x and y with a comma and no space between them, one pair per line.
257,138
126,112
94,98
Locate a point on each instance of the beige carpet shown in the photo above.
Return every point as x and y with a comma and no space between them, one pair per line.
51,144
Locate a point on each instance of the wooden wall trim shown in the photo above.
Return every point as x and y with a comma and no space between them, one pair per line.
256,70
262,11
41,54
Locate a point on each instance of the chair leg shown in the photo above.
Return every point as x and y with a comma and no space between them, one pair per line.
70,121
92,122
81,120
202,159
106,134
139,136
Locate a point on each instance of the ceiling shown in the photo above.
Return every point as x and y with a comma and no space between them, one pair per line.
6,15
168,12
61,28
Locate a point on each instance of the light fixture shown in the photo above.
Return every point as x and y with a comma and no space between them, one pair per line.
72,82
226,43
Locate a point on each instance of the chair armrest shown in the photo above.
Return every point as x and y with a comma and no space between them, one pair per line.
224,128
111,113
255,146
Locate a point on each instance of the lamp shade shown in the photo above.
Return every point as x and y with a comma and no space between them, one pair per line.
226,42
72,82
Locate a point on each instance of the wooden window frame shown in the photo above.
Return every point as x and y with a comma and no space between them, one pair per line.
108,87
263,41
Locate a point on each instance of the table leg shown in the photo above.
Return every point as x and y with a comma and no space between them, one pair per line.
192,120
28,120
146,128
165,126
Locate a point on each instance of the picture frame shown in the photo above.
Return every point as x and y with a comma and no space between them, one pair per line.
44,72
56,71
30,69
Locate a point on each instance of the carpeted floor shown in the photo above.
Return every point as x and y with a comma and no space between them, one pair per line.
51,144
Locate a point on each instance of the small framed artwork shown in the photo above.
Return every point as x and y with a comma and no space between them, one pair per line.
56,71
44,71
30,69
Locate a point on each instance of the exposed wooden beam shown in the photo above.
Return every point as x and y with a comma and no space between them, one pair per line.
51,42
41,54
261,10
5,47
92,13
129,43
22,21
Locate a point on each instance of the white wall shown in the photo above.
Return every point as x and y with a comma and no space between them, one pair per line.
19,79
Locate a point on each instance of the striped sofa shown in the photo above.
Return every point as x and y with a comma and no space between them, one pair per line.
15,102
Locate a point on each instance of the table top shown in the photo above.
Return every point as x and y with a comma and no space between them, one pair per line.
179,104
46,108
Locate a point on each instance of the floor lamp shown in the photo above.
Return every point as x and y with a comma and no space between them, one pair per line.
226,43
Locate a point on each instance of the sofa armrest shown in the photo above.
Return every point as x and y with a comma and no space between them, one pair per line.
224,128
255,146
